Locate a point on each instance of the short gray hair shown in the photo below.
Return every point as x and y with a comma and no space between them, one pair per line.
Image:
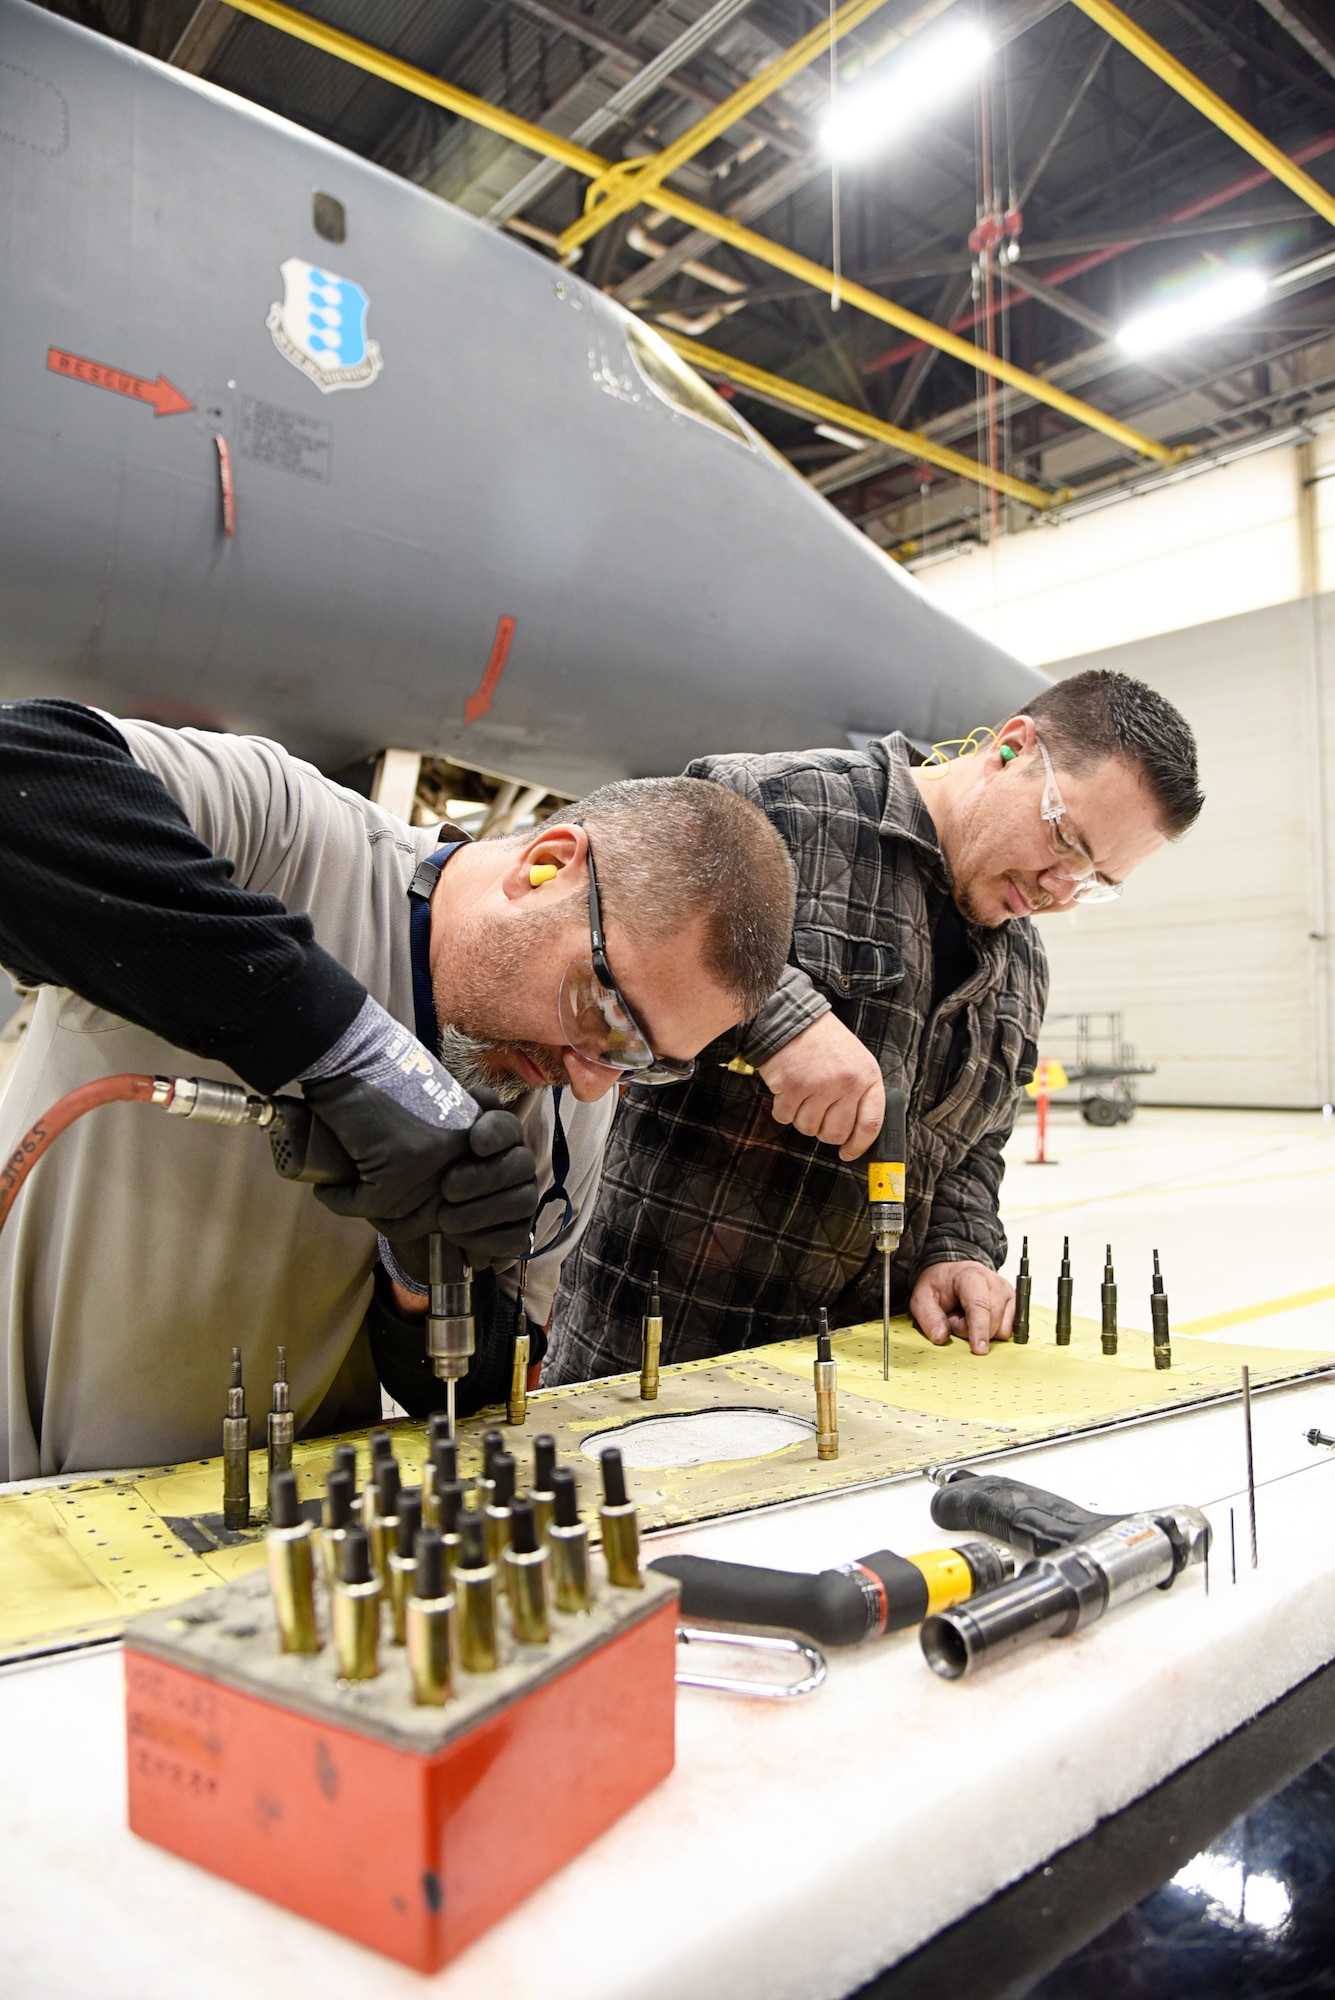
669,850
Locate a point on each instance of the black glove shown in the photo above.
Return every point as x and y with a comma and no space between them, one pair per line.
398,1347
487,1202
405,1122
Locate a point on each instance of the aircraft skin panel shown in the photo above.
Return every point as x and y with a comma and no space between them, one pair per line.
673,589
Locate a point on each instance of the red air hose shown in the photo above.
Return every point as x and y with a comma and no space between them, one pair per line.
124,1089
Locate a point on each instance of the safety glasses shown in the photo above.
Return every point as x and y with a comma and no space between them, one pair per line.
595,1019
1069,857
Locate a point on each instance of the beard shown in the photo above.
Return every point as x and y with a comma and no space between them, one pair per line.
487,958
472,1061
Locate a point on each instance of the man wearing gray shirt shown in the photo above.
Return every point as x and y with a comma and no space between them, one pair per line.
204,904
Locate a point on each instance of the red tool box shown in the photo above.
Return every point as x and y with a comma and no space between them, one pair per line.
409,1829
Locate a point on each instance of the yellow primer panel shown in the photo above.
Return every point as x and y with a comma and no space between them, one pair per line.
78,1559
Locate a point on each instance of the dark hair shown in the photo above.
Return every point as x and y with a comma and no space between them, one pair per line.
670,850
1100,714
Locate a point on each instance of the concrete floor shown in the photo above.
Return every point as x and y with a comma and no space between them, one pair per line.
1238,1204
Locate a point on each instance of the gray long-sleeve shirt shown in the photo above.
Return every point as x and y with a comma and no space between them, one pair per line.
144,1247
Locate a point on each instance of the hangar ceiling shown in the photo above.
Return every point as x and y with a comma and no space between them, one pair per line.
1034,210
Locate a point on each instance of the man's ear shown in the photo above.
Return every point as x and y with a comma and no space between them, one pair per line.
1014,737
551,865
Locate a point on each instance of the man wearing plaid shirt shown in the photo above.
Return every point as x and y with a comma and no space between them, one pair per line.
914,962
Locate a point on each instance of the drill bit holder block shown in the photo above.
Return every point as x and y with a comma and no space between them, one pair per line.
409,1829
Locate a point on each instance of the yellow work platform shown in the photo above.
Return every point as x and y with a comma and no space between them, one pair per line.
79,1557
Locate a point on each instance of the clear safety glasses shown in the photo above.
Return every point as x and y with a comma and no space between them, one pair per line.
595,1019
1069,857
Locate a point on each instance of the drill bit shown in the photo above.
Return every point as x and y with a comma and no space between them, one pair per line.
885,1193
236,1452
1024,1285
1163,1351
516,1411
450,1336
1108,1297
885,1319
1064,1290
1251,1469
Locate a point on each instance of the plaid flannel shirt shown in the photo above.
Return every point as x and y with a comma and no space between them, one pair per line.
750,1225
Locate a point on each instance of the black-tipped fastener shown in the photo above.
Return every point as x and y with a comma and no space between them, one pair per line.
614,1477
429,1576
566,1510
445,1461
492,1443
345,1460
503,1472
473,1537
410,1521
438,1428
387,1479
382,1446
544,1462
523,1528
284,1511
354,1557
450,1501
338,1488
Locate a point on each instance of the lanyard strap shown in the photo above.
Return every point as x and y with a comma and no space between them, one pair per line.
425,877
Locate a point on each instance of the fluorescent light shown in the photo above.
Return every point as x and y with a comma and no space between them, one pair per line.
836,436
1201,311
912,85
1302,274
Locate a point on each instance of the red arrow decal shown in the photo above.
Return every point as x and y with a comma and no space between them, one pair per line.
478,704
166,400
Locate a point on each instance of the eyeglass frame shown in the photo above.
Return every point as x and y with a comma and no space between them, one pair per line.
1091,887
679,1070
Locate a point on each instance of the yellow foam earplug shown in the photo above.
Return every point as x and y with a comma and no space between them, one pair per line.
542,871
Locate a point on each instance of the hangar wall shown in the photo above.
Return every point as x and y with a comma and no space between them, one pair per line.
1219,955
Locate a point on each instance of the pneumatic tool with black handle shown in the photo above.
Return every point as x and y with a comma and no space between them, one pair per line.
861,1600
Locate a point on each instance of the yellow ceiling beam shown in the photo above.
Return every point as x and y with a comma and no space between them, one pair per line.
305,28
630,182
422,84
1179,78
795,266
796,396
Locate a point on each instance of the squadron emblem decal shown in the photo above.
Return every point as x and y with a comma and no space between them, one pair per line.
319,325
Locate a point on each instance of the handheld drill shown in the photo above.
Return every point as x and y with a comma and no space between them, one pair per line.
885,1194
1082,1564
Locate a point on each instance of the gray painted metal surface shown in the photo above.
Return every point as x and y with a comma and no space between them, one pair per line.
673,587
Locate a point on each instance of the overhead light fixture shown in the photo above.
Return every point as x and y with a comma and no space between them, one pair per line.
911,86
848,439
1200,311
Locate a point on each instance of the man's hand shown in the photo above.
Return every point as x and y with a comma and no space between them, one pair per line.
963,1298
486,1206
427,1155
829,1086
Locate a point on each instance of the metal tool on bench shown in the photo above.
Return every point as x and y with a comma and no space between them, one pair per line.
450,1336
861,1600
885,1195
1083,1564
